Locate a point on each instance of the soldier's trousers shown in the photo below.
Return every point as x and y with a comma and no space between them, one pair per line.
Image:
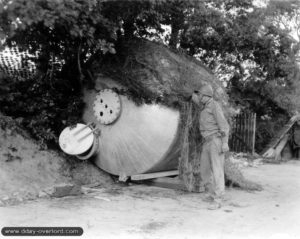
212,167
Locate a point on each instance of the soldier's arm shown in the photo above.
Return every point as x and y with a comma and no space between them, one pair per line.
221,121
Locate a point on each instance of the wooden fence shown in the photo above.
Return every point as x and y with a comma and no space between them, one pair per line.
242,137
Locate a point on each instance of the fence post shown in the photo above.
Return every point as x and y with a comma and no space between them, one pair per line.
254,131
240,130
248,128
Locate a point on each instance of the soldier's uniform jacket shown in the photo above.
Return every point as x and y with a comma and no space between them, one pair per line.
212,121
214,129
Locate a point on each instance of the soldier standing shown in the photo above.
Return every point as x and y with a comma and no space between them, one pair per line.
214,129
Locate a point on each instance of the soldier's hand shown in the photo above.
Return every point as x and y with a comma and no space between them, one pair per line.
225,147
195,98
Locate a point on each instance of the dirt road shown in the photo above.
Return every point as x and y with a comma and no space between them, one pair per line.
149,212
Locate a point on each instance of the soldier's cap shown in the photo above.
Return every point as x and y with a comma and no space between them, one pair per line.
205,90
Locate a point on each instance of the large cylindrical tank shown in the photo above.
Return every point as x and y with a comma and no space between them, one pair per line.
142,139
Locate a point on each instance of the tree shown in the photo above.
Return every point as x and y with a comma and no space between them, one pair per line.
68,32
248,46
66,35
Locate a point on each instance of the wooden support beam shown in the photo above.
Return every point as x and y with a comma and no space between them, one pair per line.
154,175
167,182
280,147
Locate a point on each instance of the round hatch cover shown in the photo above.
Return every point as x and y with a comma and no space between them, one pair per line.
76,140
107,106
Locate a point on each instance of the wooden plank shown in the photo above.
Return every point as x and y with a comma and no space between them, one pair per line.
154,175
249,131
235,131
248,136
270,153
244,132
251,115
254,131
276,139
239,133
231,137
166,182
280,147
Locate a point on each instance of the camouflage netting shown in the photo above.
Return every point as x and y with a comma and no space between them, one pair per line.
16,63
155,74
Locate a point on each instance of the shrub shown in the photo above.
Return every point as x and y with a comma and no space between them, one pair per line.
43,106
